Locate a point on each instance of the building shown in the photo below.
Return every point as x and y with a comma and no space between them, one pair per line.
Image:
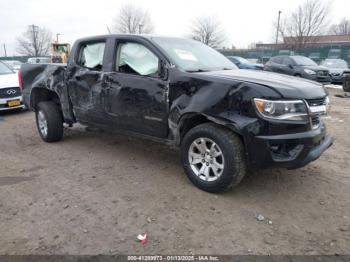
311,41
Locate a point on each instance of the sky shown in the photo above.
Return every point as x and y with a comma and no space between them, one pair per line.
244,21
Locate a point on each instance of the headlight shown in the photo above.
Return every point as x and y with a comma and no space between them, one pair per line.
310,72
281,110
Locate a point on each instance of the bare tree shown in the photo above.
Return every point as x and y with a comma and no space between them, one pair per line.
208,31
343,28
308,20
34,42
132,20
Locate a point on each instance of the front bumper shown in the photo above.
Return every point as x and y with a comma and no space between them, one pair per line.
337,79
320,79
4,103
289,151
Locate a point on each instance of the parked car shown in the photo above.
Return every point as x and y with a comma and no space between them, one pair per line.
300,66
184,93
39,60
243,63
336,69
14,64
334,53
10,91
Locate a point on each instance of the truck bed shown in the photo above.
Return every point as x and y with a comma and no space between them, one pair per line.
47,76
43,82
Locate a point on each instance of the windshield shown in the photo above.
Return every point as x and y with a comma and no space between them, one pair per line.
4,70
303,61
340,64
193,56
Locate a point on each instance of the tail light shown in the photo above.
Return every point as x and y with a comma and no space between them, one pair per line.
20,81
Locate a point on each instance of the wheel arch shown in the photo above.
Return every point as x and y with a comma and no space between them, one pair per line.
42,94
191,120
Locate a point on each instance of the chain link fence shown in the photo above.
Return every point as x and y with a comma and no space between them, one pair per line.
317,54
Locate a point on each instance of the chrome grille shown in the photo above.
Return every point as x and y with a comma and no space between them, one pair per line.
316,102
322,73
335,74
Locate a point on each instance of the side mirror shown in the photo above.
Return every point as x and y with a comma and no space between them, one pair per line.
290,66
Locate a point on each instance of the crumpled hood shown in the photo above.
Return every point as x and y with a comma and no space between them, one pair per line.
8,80
287,86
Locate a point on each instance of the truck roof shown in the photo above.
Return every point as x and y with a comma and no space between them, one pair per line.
132,36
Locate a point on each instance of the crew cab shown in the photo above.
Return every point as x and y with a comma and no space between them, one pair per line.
183,93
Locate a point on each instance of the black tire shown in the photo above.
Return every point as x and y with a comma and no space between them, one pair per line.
346,86
232,148
53,116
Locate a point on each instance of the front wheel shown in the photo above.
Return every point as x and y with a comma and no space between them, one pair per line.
213,158
49,121
346,86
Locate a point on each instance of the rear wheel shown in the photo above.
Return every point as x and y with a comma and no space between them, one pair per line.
346,86
49,121
213,158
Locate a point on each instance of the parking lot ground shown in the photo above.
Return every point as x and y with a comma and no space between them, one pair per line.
94,192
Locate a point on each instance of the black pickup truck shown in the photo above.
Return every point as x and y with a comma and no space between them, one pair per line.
183,93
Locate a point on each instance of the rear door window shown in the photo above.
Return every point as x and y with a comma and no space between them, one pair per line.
91,55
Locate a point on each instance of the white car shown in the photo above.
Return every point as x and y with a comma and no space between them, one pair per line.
10,91
14,64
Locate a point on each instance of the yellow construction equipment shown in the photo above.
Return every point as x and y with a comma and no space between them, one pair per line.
60,52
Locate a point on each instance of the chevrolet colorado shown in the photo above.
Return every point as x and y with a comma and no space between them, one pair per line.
184,93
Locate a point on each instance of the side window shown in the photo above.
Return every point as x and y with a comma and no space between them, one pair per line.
136,59
91,55
287,61
277,60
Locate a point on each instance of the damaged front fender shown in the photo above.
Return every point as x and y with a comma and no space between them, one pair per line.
203,99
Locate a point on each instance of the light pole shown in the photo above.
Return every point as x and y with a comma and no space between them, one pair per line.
140,28
35,32
5,50
57,37
278,26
